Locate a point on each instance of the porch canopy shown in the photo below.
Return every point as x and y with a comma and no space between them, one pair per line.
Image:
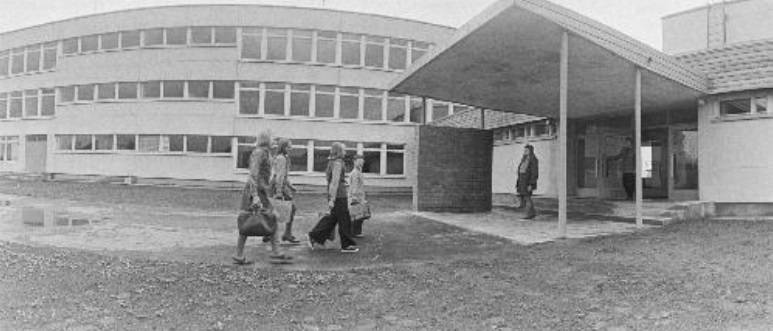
537,58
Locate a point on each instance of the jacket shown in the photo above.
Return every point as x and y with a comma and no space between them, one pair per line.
529,177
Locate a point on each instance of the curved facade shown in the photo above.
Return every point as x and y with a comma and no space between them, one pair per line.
731,42
180,92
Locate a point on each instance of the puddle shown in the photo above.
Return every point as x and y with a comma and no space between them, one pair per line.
37,217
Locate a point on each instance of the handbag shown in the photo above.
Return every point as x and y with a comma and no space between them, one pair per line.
257,223
283,209
360,211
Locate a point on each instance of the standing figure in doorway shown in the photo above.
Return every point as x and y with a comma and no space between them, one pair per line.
628,157
528,173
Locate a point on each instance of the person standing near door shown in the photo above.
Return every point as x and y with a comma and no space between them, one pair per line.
628,158
528,173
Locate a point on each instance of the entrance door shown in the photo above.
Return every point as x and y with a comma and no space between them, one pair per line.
683,170
654,153
596,175
36,151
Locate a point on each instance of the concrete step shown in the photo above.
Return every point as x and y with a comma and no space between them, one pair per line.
743,218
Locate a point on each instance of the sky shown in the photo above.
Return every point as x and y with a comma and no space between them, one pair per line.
640,19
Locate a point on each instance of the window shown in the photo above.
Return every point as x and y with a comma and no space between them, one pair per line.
519,132
196,144
174,89
151,89
9,148
89,43
31,103
541,129
374,52
17,61
85,92
225,35
173,143
350,49
396,108
299,99
395,159
154,37
301,45
15,110
299,155
372,105
277,44
761,104
245,146
176,36
249,98
349,103
126,142
64,142
3,106
223,89
326,47
33,58
460,108
371,153
5,61
148,143
418,49
321,155
67,94
197,89
103,142
70,46
127,90
251,43
735,106
130,39
221,145
109,41
325,101
275,98
439,110
83,142
106,91
398,54
201,35
48,102
49,56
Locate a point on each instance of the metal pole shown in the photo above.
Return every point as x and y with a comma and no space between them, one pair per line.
562,132
637,116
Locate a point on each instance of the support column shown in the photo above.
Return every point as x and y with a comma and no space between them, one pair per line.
637,120
482,119
562,140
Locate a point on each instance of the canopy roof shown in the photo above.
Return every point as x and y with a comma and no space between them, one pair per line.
508,58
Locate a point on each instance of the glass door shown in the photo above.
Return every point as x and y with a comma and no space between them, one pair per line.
683,170
654,153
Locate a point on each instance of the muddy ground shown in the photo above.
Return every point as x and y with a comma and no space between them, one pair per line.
704,275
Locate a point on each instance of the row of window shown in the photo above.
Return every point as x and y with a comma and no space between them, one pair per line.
257,43
525,131
171,89
27,104
273,99
306,156
309,156
748,105
9,148
31,59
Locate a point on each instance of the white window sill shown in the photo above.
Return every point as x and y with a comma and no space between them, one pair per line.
138,100
741,117
323,119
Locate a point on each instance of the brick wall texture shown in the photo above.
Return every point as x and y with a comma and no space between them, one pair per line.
454,170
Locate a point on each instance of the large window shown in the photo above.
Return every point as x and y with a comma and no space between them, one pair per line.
299,155
396,108
174,89
349,98
9,148
275,99
17,61
89,43
154,37
151,90
418,49
277,44
371,153
416,109
16,108
326,47
301,46
223,89
31,103
225,35
49,55
245,146
127,90
104,142
249,98
5,60
325,101
198,89
439,110
130,39
398,54
299,99
109,41
735,106
351,49
33,58
177,36
3,106
395,159
374,52
251,43
70,46
67,94
321,154
106,91
372,110
86,92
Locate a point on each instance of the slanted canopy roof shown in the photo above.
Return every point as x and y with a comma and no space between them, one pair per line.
508,58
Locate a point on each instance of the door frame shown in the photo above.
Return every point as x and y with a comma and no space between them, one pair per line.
679,194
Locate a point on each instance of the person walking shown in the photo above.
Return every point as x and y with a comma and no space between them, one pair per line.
528,173
628,158
357,192
256,193
281,187
338,204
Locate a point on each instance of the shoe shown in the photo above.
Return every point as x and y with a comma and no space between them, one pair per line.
313,244
350,249
241,260
359,236
280,257
291,240
530,216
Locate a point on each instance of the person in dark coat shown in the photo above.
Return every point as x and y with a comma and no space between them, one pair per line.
528,173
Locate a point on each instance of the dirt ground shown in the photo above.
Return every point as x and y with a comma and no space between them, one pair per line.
704,275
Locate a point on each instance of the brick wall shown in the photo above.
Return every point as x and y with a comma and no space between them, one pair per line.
453,170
